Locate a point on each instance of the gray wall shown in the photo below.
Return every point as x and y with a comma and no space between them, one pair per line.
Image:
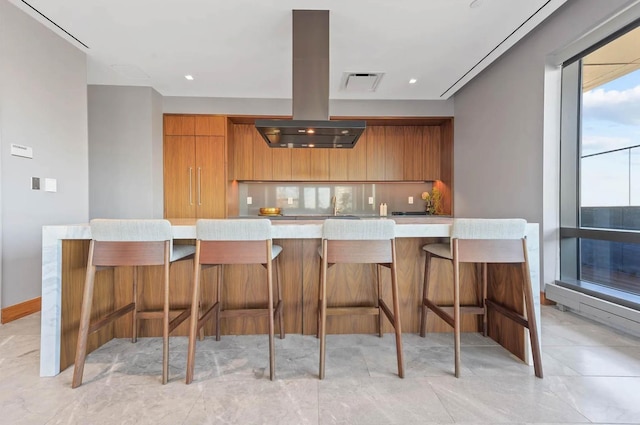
401,108
125,152
43,104
500,128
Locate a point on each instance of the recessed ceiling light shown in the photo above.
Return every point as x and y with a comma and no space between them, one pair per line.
189,77
413,81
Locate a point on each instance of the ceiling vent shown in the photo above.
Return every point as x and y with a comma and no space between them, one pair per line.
360,81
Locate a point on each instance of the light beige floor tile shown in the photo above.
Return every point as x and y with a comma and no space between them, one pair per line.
601,399
503,400
599,361
380,401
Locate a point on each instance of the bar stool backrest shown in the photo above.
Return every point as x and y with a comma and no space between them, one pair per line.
358,241
130,242
483,240
234,241
343,229
130,230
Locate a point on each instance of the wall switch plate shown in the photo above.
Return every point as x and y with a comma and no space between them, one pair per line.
290,201
50,185
249,200
35,183
370,200
411,199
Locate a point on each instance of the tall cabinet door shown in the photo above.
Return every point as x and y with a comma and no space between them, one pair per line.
179,177
209,173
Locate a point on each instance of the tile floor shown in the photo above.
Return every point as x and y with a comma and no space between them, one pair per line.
592,375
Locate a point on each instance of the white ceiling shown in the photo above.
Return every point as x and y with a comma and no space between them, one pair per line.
242,48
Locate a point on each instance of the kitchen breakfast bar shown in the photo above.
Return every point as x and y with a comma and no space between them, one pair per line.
64,259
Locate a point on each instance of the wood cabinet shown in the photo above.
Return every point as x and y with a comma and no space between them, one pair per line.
422,152
194,167
383,153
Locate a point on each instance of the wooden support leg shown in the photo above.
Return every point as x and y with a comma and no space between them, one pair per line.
396,313
272,353
85,317
134,330
195,313
425,294
323,310
165,319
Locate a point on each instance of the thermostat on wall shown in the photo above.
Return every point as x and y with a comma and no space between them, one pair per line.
23,151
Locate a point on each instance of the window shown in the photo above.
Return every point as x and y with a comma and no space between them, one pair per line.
600,171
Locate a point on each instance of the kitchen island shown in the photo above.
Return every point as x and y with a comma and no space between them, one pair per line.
64,256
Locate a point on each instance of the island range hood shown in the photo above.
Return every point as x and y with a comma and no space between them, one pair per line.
310,126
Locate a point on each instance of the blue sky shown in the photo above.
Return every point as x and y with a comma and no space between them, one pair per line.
611,120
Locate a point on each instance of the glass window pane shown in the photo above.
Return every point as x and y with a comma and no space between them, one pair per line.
612,264
604,180
634,178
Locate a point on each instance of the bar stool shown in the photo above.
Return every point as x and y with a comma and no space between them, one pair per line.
360,242
134,243
234,241
482,241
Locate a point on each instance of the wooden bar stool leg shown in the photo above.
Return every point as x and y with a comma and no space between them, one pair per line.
380,313
165,319
134,330
85,317
531,319
323,310
319,301
280,302
396,313
195,316
485,316
425,294
272,352
456,310
219,291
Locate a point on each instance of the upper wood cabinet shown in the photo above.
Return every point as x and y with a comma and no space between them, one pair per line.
375,153
383,153
210,125
179,125
194,169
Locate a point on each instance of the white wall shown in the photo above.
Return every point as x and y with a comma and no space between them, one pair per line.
500,163
125,152
43,104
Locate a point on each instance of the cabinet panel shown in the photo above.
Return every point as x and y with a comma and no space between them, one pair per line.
432,152
414,158
300,164
179,177
210,181
209,125
281,160
319,164
339,164
179,125
262,158
357,160
243,152
375,153
393,153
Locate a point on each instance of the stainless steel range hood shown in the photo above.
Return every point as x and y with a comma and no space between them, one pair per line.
310,126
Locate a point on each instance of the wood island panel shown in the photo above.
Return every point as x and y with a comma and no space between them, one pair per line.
299,274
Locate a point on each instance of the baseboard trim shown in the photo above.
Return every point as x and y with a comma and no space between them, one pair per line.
611,314
15,312
544,300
